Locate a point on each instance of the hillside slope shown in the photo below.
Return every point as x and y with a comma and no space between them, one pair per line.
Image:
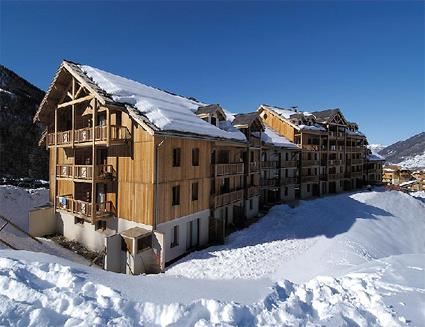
20,155
409,153
358,266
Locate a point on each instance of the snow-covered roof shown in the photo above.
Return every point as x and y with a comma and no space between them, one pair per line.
166,111
315,127
409,183
269,136
375,157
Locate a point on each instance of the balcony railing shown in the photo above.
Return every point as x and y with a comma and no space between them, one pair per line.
289,164
83,135
84,209
228,169
311,147
356,174
85,172
307,179
335,176
356,161
308,163
269,164
228,198
335,162
288,180
254,166
269,182
253,191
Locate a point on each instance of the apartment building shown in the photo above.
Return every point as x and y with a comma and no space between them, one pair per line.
332,149
147,176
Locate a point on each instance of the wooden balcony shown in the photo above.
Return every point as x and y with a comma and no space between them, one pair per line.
228,169
311,147
336,134
84,136
309,163
269,182
288,180
357,161
253,191
254,166
289,164
335,162
356,174
228,198
333,177
83,209
85,172
269,164
309,179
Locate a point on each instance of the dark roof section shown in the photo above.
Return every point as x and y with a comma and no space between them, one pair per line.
325,115
211,108
246,120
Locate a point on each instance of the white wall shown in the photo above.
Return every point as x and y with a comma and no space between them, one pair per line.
168,229
251,213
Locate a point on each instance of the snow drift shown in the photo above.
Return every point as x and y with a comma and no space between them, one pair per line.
350,259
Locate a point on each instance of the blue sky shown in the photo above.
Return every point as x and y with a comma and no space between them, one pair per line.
366,58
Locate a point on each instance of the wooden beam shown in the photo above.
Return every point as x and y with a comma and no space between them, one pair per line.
73,115
55,160
78,91
93,185
69,103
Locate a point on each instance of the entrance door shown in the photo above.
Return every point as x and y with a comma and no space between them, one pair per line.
192,234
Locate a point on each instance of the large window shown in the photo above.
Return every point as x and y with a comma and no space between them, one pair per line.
176,157
176,195
195,187
195,157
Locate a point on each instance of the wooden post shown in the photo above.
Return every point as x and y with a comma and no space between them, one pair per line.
108,126
93,185
55,159
73,114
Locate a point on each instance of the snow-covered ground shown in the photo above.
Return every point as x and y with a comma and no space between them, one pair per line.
346,260
15,203
415,162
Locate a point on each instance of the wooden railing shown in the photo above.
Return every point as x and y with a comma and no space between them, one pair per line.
356,174
254,166
228,169
289,164
84,208
307,163
307,179
288,180
268,182
335,176
253,191
117,133
335,162
356,161
64,171
269,164
228,198
85,172
311,147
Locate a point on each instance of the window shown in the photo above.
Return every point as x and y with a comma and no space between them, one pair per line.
176,195
175,237
308,187
286,191
286,172
176,157
195,157
144,243
287,156
251,204
195,191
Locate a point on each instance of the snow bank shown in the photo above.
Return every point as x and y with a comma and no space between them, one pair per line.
323,236
34,294
352,259
15,203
